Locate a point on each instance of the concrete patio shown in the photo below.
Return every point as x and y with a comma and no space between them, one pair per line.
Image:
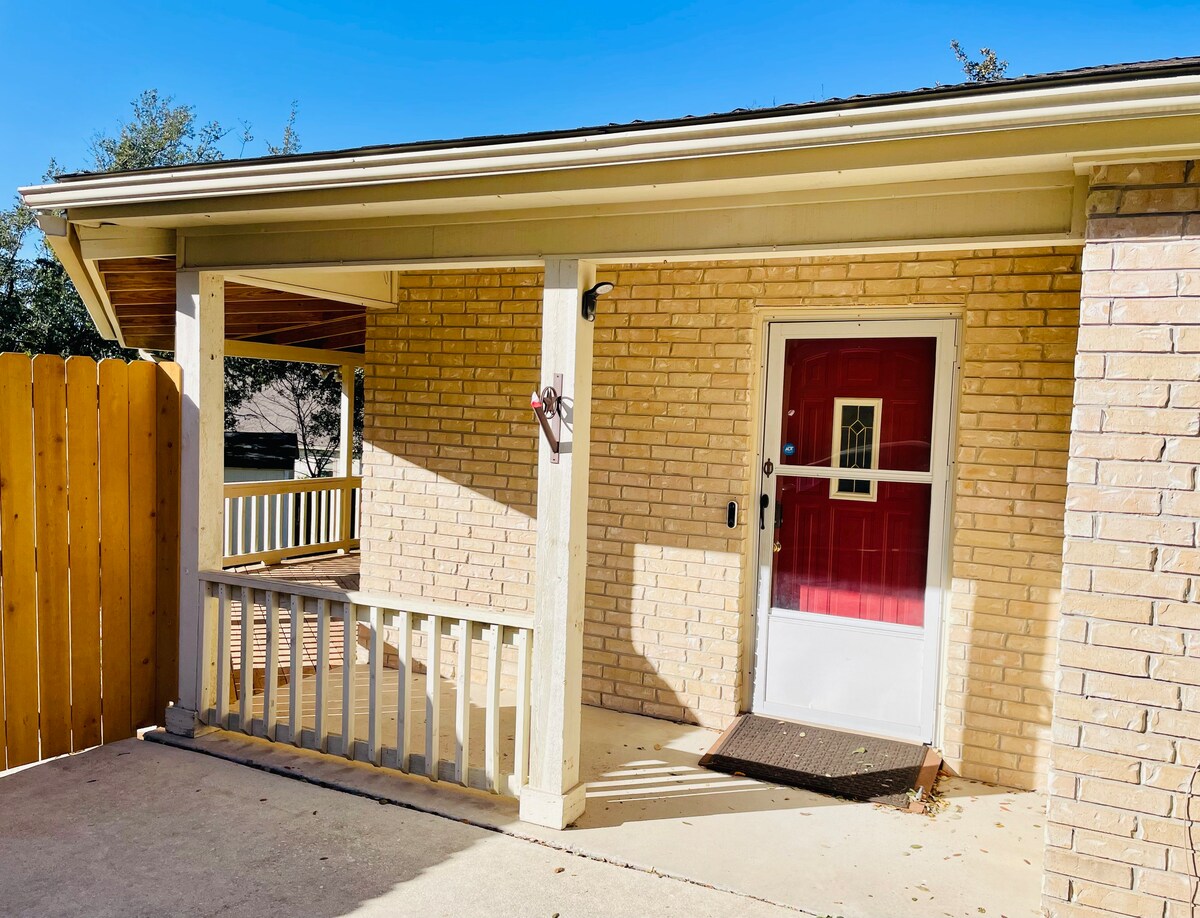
140,829
649,806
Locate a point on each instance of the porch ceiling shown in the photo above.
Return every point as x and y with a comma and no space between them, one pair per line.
142,293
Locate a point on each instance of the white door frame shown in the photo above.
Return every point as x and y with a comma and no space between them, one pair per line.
945,330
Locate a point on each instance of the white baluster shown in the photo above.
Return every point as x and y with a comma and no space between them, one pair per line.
254,542
271,677
433,696
296,683
462,720
521,734
303,536
492,719
349,653
224,652
404,690
375,703
246,698
320,721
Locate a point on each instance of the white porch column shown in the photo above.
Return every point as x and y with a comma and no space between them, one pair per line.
200,352
345,456
554,796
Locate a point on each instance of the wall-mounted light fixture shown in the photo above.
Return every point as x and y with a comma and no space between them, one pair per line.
591,295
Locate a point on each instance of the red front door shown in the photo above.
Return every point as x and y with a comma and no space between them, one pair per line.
848,617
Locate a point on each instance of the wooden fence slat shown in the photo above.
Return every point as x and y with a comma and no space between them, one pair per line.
168,382
143,544
114,550
83,513
53,579
16,555
83,658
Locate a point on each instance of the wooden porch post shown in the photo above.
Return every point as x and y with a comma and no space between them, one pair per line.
345,456
200,352
554,797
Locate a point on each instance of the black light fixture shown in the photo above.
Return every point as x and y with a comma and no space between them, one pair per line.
591,295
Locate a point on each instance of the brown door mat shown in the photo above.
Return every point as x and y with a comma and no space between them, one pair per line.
827,761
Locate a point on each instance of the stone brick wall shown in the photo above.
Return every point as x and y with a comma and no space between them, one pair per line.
1127,712
449,462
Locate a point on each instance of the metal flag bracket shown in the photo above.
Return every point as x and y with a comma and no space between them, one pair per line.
547,408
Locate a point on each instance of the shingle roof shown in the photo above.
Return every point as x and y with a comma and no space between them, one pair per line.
1108,73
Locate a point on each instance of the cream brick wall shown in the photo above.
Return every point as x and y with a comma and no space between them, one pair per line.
1127,713
450,456
449,490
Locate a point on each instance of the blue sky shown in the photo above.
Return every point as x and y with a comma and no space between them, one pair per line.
383,72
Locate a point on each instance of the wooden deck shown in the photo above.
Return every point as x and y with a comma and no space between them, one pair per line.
337,571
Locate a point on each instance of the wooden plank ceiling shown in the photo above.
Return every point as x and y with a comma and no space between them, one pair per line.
142,293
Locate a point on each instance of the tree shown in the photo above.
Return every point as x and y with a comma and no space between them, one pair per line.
161,134
40,311
986,70
285,397
290,143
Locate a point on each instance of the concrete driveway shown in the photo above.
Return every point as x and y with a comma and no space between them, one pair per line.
140,829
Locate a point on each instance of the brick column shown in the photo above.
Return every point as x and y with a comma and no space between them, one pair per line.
1127,708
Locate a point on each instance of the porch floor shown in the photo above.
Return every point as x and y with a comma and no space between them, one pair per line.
137,828
649,805
336,571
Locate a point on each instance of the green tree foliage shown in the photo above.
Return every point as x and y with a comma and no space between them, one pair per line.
160,133
290,142
41,313
985,70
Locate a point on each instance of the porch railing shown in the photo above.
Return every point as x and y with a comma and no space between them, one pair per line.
271,521
441,691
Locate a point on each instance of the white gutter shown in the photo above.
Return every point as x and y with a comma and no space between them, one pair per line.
1055,106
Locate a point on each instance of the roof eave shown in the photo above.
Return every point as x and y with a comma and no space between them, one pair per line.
957,115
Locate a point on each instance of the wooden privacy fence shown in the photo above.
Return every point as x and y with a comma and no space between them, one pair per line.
89,551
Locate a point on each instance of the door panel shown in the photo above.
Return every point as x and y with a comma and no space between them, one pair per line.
856,559
838,683
852,542
816,372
